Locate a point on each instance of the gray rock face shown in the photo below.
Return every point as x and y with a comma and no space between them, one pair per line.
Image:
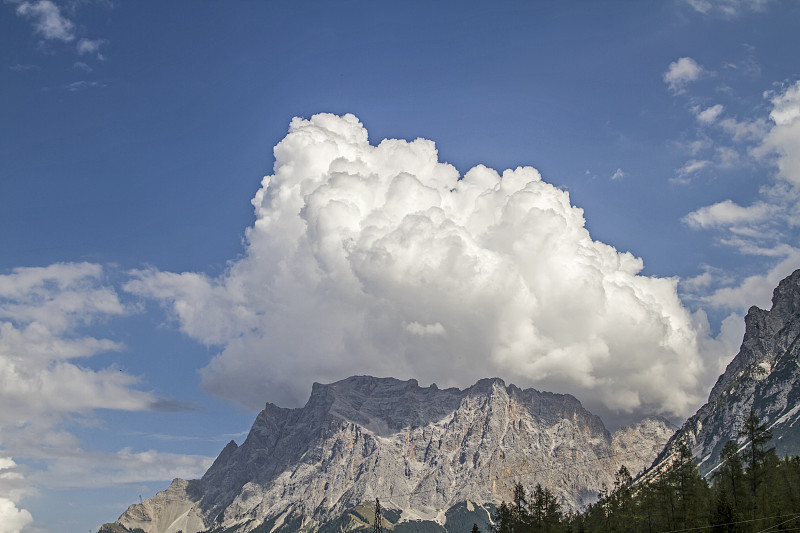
422,451
763,377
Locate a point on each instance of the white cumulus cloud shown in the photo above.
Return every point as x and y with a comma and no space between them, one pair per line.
783,139
709,115
13,519
368,259
681,72
728,213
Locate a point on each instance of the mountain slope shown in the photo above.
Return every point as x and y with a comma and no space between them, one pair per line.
427,453
763,377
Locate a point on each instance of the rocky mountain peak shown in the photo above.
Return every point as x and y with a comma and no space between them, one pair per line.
383,405
764,377
488,384
786,296
424,451
765,333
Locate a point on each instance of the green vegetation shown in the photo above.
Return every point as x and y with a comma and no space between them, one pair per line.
538,511
751,490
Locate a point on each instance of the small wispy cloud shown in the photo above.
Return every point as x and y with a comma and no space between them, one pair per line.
617,175
93,469
171,405
23,68
47,20
693,166
83,85
744,130
747,65
51,25
91,47
224,437
727,8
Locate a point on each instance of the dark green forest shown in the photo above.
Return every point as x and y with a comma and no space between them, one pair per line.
751,491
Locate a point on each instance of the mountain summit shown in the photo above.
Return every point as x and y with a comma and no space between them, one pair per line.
427,453
764,378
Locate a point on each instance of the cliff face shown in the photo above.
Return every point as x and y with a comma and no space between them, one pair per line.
763,377
422,451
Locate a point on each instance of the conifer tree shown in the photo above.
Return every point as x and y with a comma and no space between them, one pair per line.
622,503
503,519
757,453
521,516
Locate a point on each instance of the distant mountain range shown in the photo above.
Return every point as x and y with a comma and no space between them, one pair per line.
441,459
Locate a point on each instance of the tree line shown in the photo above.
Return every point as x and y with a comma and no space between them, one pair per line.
750,491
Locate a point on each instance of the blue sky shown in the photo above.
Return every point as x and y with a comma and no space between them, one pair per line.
146,315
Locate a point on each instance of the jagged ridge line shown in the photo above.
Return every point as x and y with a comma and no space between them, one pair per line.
777,419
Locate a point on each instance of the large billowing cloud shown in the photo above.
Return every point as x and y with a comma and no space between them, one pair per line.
12,518
383,260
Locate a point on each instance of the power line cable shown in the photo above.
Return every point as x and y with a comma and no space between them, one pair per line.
793,516
777,525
